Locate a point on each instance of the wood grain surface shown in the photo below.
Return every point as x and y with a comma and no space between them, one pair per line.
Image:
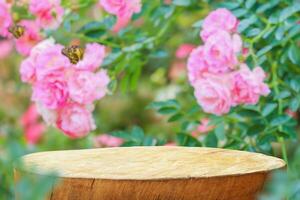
151,173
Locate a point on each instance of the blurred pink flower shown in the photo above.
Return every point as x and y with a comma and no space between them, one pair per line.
184,50
93,57
220,19
203,127
168,2
213,94
177,70
6,47
52,92
247,85
5,18
123,9
49,13
32,128
30,38
30,116
86,87
106,140
292,114
34,132
171,144
75,120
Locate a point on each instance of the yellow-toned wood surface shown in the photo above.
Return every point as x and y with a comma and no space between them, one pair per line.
149,173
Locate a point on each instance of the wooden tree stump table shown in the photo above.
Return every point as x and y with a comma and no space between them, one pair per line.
153,173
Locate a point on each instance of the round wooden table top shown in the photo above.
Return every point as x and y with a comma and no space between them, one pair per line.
149,163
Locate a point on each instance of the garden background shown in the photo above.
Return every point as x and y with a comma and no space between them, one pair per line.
150,100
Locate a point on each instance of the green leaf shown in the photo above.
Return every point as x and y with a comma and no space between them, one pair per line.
121,134
256,129
264,50
96,29
294,105
267,5
137,133
184,139
250,3
269,32
245,23
181,2
175,117
211,140
268,109
295,30
198,24
279,33
283,95
253,32
249,113
167,110
295,84
280,120
294,54
289,11
159,104
229,5
220,131
240,12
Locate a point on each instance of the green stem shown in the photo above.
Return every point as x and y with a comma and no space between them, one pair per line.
280,110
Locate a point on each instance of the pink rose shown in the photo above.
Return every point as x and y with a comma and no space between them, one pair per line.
213,94
75,120
106,140
220,52
34,132
49,13
45,58
30,38
93,57
30,116
48,59
248,85
86,87
52,92
6,47
220,19
184,50
5,18
123,9
27,71
196,65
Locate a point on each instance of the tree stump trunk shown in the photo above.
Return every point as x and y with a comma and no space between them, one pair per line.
153,173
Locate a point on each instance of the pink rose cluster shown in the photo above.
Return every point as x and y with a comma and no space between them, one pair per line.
63,92
220,80
123,9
